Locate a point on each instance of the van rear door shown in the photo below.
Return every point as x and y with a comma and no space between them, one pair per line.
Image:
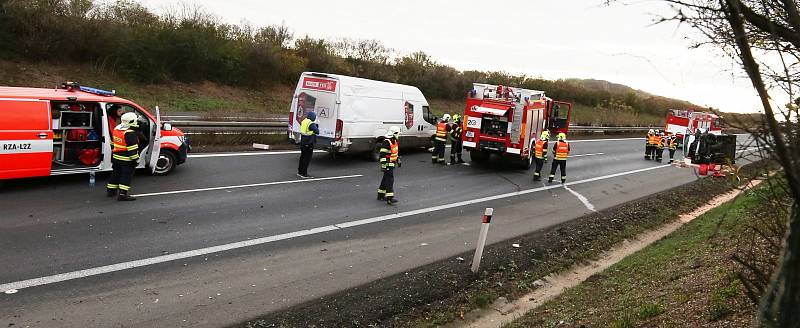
26,138
317,93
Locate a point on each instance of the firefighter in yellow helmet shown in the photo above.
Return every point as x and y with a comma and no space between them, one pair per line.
540,154
389,159
561,151
673,146
455,140
661,143
124,157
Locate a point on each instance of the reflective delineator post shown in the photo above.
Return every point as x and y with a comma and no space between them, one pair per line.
487,218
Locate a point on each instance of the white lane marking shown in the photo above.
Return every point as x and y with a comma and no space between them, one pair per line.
584,155
250,153
226,247
581,198
247,185
615,139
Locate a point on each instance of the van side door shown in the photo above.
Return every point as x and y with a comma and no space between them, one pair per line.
26,138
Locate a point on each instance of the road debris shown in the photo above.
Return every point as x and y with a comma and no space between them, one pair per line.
11,291
515,245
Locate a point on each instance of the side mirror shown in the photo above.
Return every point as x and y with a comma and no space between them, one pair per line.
166,126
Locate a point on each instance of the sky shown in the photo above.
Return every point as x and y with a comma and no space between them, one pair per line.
553,39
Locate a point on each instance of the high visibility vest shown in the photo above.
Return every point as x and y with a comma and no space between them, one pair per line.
660,142
394,150
122,151
673,143
652,139
304,127
441,131
562,150
538,149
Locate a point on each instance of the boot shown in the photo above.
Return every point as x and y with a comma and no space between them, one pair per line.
123,196
381,196
391,201
460,161
111,192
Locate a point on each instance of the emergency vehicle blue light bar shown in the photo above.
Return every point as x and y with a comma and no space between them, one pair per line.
96,91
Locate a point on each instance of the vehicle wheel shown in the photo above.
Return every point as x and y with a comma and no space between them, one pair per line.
479,156
166,163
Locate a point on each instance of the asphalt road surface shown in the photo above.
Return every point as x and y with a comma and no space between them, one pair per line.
226,238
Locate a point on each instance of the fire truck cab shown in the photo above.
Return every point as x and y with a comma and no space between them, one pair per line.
684,123
506,121
67,130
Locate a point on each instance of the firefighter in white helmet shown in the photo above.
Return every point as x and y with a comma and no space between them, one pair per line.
389,159
440,140
124,157
561,151
649,144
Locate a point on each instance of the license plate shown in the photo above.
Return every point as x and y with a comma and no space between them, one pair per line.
470,134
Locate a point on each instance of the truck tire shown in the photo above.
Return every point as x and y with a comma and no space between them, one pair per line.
166,162
479,156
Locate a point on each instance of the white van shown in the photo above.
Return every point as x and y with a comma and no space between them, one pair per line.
354,113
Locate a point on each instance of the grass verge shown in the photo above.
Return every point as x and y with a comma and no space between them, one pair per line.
684,280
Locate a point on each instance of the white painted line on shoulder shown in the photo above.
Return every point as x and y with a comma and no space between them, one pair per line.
584,155
250,153
581,198
247,185
614,139
264,240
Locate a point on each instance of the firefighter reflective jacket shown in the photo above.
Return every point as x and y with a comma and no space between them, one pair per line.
562,150
441,131
673,143
455,132
389,153
126,145
540,149
661,142
652,139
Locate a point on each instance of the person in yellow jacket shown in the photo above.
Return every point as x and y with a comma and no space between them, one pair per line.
389,159
561,152
440,140
661,143
673,146
540,154
649,144
124,157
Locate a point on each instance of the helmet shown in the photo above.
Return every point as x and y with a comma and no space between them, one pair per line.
392,132
456,118
545,135
130,119
651,131
562,136
446,117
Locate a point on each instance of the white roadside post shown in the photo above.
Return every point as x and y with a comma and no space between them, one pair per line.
487,218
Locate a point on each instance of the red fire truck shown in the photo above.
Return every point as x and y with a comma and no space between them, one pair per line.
686,122
506,121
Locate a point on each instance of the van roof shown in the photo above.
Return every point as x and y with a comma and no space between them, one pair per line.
55,94
349,80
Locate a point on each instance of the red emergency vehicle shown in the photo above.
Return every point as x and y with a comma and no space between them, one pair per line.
686,122
68,129
506,121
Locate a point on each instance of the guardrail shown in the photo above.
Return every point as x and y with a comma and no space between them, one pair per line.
272,125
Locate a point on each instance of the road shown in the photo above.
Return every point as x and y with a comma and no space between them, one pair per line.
228,237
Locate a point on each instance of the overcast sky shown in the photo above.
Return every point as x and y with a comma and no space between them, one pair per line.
541,38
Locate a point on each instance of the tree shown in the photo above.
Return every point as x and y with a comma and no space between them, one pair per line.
763,36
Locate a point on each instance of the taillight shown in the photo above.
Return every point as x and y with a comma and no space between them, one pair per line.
291,117
339,126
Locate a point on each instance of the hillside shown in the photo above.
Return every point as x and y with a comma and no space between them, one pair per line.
191,61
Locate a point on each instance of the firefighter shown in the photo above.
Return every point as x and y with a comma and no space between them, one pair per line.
125,156
673,146
561,151
649,144
308,137
661,140
455,140
440,140
540,154
390,158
